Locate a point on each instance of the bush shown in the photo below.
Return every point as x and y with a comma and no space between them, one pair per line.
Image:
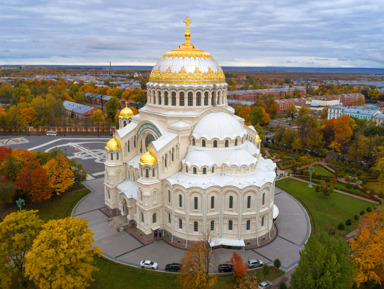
356,217
341,226
277,263
282,285
7,192
265,270
362,212
369,209
348,222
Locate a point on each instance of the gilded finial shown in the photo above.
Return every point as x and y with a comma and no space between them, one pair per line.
126,103
187,34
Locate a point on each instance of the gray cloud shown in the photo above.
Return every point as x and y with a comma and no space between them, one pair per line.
242,32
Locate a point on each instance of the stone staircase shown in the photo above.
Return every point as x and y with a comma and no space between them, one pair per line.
118,223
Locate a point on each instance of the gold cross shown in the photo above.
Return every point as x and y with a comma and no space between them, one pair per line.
187,22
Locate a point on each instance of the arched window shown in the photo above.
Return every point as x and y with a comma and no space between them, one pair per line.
212,202
165,160
193,141
173,98
181,98
212,225
230,225
109,194
141,195
146,173
166,98
142,217
248,202
154,218
203,143
263,199
159,95
124,123
180,201
194,171
204,171
153,172
226,143
186,169
195,226
172,154
262,221
248,225
111,157
180,224
148,139
198,99
215,143
154,97
218,98
195,203
213,170
117,156
134,141
206,98
235,142
190,99
169,196
230,202
129,147
169,218
213,98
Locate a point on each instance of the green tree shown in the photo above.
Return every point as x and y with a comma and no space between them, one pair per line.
324,263
291,112
258,116
17,232
62,255
7,191
111,107
11,167
79,173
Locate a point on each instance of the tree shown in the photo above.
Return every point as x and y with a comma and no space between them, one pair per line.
324,263
249,282
98,116
60,174
368,248
195,264
28,114
111,107
11,166
33,181
291,112
62,254
7,191
258,116
240,268
79,173
17,232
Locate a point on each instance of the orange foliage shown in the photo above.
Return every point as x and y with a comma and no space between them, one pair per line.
4,152
24,155
28,114
245,113
240,268
368,248
60,174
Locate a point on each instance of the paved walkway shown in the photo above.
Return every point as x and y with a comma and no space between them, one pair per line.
293,230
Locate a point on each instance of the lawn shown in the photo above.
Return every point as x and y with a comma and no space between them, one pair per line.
326,211
321,171
377,187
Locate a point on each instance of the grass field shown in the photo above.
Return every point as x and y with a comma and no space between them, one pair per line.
321,171
326,211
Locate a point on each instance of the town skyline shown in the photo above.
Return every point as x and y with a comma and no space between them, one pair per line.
279,33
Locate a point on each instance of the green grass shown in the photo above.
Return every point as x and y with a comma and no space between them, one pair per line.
326,211
59,207
343,187
321,171
377,187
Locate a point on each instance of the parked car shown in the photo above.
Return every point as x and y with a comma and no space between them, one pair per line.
173,267
265,285
148,264
227,267
254,263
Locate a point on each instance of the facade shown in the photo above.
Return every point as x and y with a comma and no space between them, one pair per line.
253,94
80,111
367,112
186,165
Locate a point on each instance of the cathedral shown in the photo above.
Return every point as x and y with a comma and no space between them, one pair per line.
186,165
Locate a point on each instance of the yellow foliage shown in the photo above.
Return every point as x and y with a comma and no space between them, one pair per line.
17,232
368,248
60,174
62,254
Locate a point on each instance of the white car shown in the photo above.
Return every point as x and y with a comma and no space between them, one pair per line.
148,264
265,285
254,263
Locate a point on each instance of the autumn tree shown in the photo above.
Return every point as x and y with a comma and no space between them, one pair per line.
111,107
11,166
79,173
249,282
259,116
324,263
368,248
240,268
343,132
195,265
291,112
60,174
62,255
17,232
245,113
34,182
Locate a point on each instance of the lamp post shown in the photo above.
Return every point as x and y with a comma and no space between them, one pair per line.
20,202
310,176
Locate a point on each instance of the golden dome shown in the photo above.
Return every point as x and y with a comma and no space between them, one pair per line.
113,144
258,138
148,158
126,111
187,65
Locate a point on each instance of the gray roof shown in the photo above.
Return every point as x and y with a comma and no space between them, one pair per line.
98,96
76,107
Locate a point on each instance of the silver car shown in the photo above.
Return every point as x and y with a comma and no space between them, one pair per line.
254,263
264,285
148,264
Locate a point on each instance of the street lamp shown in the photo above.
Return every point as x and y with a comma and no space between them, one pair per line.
20,202
310,176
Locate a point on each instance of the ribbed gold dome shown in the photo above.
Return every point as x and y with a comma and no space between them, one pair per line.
187,65
148,158
126,111
113,144
258,138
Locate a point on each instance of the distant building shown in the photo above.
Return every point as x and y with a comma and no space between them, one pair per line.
252,95
366,112
285,104
96,98
80,111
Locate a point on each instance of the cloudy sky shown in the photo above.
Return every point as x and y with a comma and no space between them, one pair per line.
301,33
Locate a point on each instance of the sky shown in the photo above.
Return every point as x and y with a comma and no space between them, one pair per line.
295,33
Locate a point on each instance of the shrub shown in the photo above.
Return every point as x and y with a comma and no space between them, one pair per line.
331,230
348,222
341,226
369,209
356,217
362,212
282,285
277,263
265,270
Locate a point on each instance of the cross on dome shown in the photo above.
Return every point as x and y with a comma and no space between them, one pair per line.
187,34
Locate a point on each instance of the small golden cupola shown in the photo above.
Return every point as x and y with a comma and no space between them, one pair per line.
148,158
113,144
125,116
